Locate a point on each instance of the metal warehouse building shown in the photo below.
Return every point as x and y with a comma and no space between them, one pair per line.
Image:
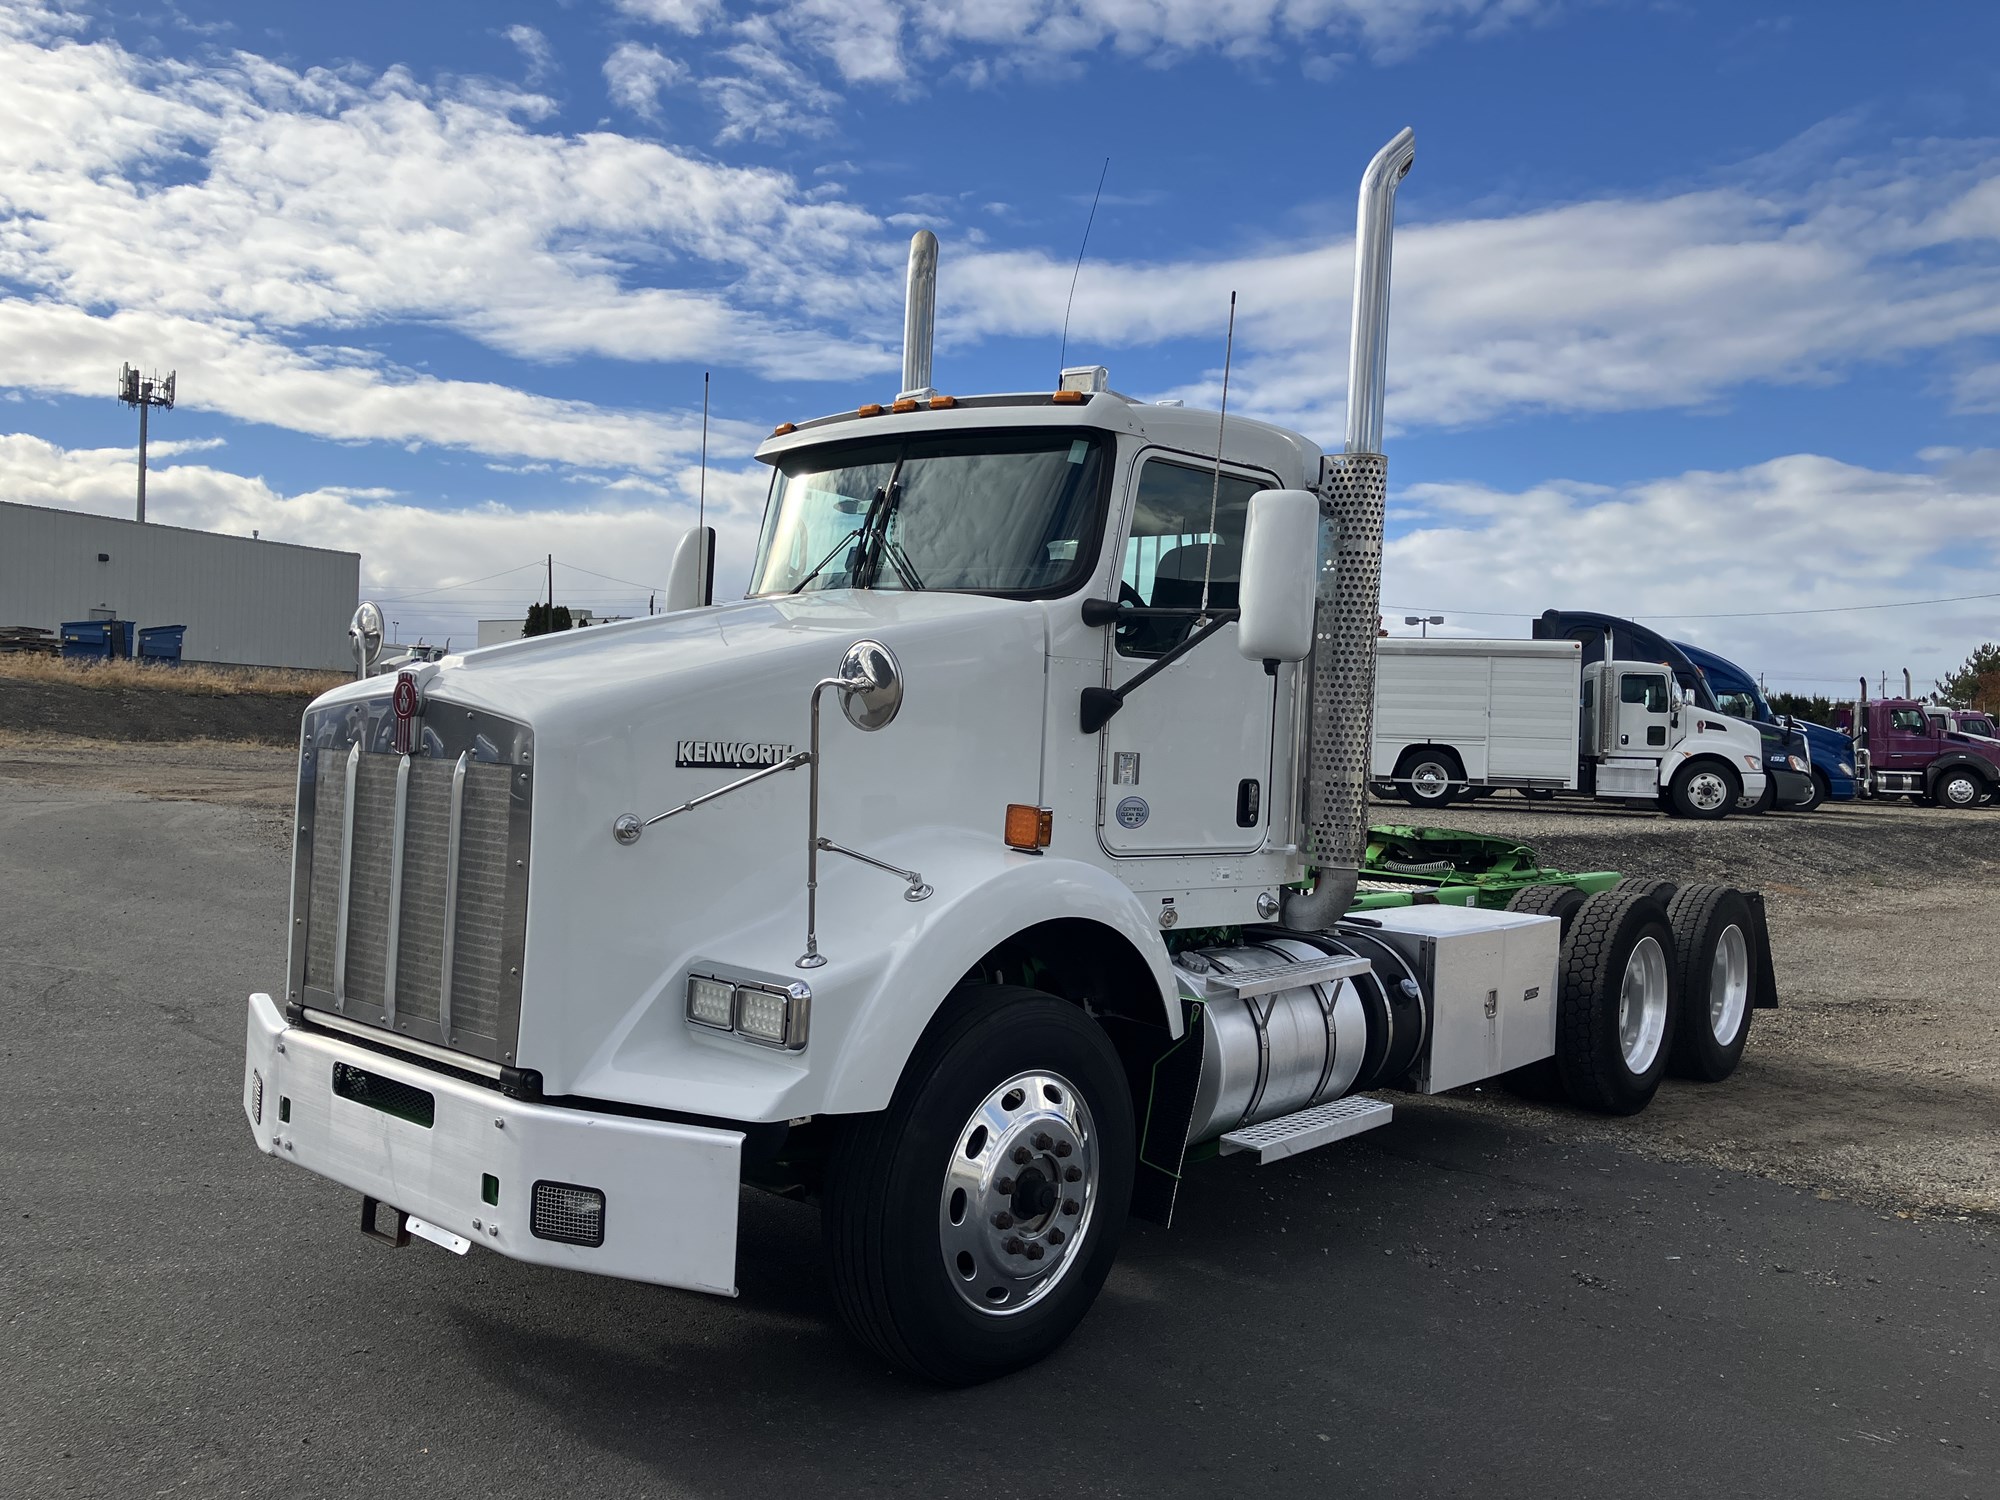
244,602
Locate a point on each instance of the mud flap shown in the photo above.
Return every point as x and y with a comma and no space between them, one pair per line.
1165,1076
1767,977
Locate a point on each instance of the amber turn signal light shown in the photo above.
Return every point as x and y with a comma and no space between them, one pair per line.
1029,827
1068,398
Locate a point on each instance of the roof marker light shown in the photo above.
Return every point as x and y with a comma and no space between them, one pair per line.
784,427
872,409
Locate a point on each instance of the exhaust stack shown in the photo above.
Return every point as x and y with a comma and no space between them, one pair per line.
919,316
1906,684
1353,490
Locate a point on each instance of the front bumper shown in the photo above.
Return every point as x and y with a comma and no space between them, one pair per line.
1795,788
670,1190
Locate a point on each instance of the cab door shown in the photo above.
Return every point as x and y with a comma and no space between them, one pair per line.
1185,765
1645,712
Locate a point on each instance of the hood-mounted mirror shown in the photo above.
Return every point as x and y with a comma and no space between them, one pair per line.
365,633
871,685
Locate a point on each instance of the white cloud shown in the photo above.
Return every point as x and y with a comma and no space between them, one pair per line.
636,73
766,96
535,51
688,16
1797,533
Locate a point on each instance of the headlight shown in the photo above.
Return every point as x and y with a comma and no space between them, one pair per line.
770,1015
1797,763
1846,769
1753,763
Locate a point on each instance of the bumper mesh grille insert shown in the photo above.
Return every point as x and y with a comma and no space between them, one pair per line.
567,1213
392,1096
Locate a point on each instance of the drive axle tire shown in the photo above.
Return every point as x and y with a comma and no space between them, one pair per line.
1426,778
1715,966
1704,789
1661,891
970,1224
1561,901
1615,1004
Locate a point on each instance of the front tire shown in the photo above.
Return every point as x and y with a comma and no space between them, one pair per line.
1704,789
1616,1003
1822,789
1426,777
934,1267
1958,788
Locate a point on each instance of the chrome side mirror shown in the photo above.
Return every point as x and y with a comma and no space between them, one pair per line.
1278,594
871,685
365,633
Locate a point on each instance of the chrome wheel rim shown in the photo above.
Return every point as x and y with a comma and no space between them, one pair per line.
1019,1192
1707,790
1960,792
1642,1005
1430,781
1728,984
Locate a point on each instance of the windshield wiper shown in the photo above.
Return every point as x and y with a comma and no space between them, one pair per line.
820,566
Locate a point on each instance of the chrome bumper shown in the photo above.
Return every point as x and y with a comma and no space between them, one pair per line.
670,1190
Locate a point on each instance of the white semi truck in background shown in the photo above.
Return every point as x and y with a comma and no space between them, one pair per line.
1454,717
993,861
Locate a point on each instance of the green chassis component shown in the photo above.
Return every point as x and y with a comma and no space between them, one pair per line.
1405,865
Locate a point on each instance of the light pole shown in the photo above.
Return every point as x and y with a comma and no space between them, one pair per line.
145,393
1424,620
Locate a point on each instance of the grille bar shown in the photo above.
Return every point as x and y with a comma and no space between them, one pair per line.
346,879
398,833
453,841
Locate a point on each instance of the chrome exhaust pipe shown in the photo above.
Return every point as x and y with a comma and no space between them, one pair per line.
1354,488
1906,684
1368,349
919,316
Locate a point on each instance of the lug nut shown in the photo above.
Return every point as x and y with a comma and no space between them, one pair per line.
1042,1140
1022,1156
1035,1252
1003,1220
1069,1205
1004,1185
1062,1148
1012,1245
1072,1174
1056,1235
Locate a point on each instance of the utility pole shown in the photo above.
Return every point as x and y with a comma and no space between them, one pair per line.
552,590
145,393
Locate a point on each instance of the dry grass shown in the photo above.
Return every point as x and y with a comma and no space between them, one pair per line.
203,679
36,743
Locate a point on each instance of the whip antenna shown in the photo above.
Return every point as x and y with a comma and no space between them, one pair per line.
1062,354
1215,490
701,493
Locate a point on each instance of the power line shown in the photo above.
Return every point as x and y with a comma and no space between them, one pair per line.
445,587
1741,614
630,582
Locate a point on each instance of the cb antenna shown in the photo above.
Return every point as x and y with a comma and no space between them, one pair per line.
701,489
1215,489
1062,355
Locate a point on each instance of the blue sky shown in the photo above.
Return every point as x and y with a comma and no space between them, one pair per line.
1697,304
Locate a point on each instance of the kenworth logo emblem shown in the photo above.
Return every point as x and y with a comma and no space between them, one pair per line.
728,755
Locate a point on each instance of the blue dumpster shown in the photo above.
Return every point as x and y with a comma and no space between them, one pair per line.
86,640
161,642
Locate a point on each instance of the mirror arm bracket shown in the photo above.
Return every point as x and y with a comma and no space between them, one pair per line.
1099,704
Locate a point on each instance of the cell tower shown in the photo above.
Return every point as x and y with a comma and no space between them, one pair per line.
145,392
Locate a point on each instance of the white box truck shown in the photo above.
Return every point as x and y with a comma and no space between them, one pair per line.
591,931
1457,718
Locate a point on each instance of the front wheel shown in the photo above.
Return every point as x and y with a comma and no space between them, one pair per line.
1821,790
1958,788
1704,789
1426,779
970,1225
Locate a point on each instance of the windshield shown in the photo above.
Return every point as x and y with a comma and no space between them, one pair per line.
1001,513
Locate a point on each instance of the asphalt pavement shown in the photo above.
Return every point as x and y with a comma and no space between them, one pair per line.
1451,1306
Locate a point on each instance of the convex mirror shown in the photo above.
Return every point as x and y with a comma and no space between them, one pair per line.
871,685
365,634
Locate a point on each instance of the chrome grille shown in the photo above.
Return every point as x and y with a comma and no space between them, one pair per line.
474,909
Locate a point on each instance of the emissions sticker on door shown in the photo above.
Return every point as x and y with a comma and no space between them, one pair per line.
1133,812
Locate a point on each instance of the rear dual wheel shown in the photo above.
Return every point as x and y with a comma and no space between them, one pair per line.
970,1225
1616,1002
1715,963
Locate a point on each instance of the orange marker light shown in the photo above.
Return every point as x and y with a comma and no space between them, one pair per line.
784,427
872,409
1029,827
905,405
1068,398
943,403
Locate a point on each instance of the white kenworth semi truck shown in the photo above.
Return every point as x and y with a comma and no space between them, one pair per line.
1461,717
993,861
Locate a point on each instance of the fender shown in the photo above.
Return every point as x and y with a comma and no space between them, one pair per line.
1952,759
996,892
1669,769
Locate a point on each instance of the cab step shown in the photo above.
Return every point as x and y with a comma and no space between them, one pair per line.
1320,1125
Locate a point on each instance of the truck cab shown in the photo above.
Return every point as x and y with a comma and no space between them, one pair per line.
1910,749
1829,753
1642,739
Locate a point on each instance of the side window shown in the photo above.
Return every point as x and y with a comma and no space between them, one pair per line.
1640,689
1910,720
1170,545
